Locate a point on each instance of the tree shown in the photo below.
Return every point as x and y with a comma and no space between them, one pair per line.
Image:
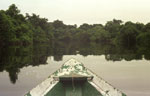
113,27
6,28
13,11
147,28
42,29
99,34
127,35
58,24
85,26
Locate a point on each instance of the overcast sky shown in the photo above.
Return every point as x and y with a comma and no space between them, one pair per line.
85,11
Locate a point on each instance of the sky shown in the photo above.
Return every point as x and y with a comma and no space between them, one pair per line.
84,11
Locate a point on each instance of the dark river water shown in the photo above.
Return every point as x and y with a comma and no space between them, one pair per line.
22,68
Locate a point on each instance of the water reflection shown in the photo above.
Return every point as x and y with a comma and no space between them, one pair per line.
13,58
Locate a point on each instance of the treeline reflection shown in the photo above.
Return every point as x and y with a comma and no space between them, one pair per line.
13,58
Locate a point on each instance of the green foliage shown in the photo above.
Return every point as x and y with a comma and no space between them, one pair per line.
7,29
13,27
17,29
113,27
143,45
13,11
127,35
144,39
99,34
42,30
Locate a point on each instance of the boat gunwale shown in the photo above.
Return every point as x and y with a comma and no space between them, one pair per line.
105,81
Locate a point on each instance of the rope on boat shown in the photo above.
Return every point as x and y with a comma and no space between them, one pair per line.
73,84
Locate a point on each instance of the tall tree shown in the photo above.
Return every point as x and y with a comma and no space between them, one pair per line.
113,27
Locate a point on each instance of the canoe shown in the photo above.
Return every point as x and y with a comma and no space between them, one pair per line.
74,79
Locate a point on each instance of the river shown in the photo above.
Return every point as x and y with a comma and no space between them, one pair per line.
130,76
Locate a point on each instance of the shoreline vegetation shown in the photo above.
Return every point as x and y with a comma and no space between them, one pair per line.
17,29
29,40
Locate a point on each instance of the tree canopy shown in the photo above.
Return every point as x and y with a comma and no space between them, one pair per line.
16,28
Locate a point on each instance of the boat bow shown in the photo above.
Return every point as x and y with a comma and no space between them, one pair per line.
74,73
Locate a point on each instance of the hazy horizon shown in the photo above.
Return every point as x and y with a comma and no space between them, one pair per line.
84,11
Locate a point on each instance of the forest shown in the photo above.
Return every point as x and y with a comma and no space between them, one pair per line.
17,29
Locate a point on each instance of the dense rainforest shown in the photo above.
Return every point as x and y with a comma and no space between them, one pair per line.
30,39
17,29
